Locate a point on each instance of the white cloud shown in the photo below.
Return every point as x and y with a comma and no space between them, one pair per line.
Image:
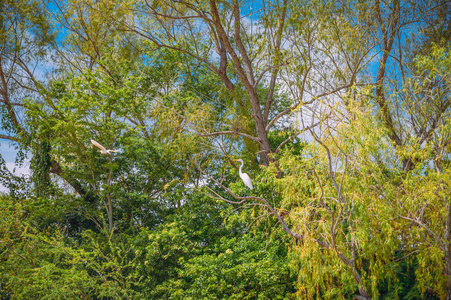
9,153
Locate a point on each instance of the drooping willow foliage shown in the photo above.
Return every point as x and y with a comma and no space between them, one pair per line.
340,111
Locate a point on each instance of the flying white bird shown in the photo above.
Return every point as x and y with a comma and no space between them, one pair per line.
246,179
102,149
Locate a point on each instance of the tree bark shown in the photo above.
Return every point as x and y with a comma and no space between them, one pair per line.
388,37
246,75
57,170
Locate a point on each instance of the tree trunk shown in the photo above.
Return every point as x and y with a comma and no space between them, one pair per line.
388,32
363,294
245,73
264,146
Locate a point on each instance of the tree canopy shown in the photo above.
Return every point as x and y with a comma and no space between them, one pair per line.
339,109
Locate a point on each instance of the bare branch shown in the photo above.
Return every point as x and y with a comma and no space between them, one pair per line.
267,69
322,192
8,137
425,227
293,107
295,135
266,204
230,132
272,83
331,171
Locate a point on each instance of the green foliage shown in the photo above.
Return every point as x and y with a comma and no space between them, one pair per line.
41,169
356,206
243,269
160,263
211,260
17,186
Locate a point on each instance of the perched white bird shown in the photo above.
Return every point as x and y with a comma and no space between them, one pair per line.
102,149
246,179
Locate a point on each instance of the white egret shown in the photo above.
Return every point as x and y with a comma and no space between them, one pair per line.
246,179
102,149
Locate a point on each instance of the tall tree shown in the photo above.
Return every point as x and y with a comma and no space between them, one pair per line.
246,47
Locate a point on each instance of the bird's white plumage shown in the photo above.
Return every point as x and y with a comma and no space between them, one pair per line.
103,150
98,145
246,179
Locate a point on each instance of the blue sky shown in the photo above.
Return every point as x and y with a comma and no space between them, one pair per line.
9,153
7,150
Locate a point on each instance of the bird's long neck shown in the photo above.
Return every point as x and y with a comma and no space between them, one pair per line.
242,163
